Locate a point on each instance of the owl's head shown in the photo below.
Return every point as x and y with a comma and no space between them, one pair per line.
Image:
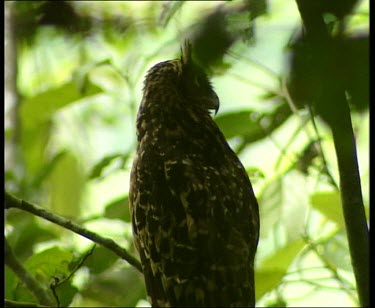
180,81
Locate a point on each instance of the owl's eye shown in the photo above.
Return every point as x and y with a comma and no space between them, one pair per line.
200,81
197,81
194,82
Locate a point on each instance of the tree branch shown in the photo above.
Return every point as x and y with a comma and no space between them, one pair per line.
10,303
33,285
332,105
13,202
353,208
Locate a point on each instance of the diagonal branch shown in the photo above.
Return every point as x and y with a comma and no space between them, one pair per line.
13,202
23,275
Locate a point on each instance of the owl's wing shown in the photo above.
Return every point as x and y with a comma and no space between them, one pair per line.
212,245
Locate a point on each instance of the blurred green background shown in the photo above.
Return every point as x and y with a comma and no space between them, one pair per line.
74,75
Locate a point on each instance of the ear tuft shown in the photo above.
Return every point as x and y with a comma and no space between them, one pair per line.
186,53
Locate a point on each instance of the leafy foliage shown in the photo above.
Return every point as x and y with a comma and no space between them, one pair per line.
70,136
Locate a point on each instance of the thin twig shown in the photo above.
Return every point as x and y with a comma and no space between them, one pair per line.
325,164
57,282
23,275
254,63
254,83
89,253
319,285
13,202
342,282
318,138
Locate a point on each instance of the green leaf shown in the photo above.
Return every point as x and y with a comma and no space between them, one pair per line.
329,204
21,239
36,117
104,74
109,288
282,257
98,170
65,293
66,184
52,262
10,282
253,125
238,123
255,174
23,294
9,176
118,209
336,251
100,260
270,212
34,141
169,11
48,167
273,268
277,302
39,108
266,280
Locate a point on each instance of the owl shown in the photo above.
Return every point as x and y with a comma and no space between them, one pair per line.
195,217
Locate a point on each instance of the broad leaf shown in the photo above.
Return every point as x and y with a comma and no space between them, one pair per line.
100,260
121,287
273,268
329,204
270,210
98,170
238,123
66,183
41,107
118,209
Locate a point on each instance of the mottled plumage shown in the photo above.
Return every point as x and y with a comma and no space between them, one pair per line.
194,214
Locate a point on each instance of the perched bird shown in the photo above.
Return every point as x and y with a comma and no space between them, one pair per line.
194,214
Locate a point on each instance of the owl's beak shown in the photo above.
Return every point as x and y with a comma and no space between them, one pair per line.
214,102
